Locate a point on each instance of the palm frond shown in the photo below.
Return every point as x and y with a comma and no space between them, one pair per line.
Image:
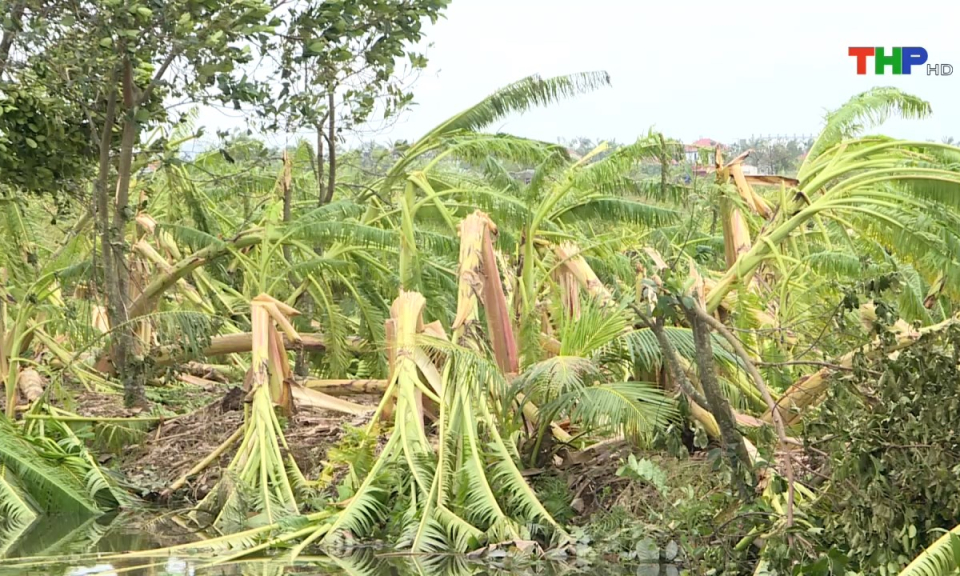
941,187
194,238
634,409
520,97
869,108
48,484
939,559
478,148
349,232
606,208
645,351
836,263
16,505
557,376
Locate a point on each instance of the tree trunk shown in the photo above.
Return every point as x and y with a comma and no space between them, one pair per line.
733,446
286,182
102,202
118,288
321,189
332,143
9,33
305,303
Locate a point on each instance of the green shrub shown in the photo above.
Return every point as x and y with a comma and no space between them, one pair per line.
890,429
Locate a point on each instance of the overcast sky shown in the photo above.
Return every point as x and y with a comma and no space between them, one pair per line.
691,69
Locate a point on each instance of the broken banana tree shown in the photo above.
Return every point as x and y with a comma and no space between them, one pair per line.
262,484
465,489
479,282
862,182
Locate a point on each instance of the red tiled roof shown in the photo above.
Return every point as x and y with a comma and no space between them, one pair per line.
705,143
702,143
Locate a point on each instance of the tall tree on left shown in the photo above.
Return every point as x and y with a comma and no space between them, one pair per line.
108,66
81,81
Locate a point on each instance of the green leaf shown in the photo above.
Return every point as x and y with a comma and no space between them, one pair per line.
647,550
106,42
31,142
671,550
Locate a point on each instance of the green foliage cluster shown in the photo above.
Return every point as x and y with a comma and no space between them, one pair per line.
889,428
351,49
45,145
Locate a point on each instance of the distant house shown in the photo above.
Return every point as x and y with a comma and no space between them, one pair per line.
692,150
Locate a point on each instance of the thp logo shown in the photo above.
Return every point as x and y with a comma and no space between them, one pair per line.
898,59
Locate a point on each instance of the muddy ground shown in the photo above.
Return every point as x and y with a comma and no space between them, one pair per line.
173,447
169,448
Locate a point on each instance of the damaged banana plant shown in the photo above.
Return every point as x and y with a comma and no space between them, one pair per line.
463,488
263,483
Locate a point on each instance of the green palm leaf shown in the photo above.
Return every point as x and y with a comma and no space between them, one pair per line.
869,108
520,97
606,208
45,481
939,559
634,409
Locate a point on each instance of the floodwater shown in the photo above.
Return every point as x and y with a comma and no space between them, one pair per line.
66,547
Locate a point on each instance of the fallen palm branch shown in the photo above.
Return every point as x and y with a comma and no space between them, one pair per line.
45,469
346,387
243,342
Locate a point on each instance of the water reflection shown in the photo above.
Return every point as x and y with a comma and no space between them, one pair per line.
346,566
61,547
